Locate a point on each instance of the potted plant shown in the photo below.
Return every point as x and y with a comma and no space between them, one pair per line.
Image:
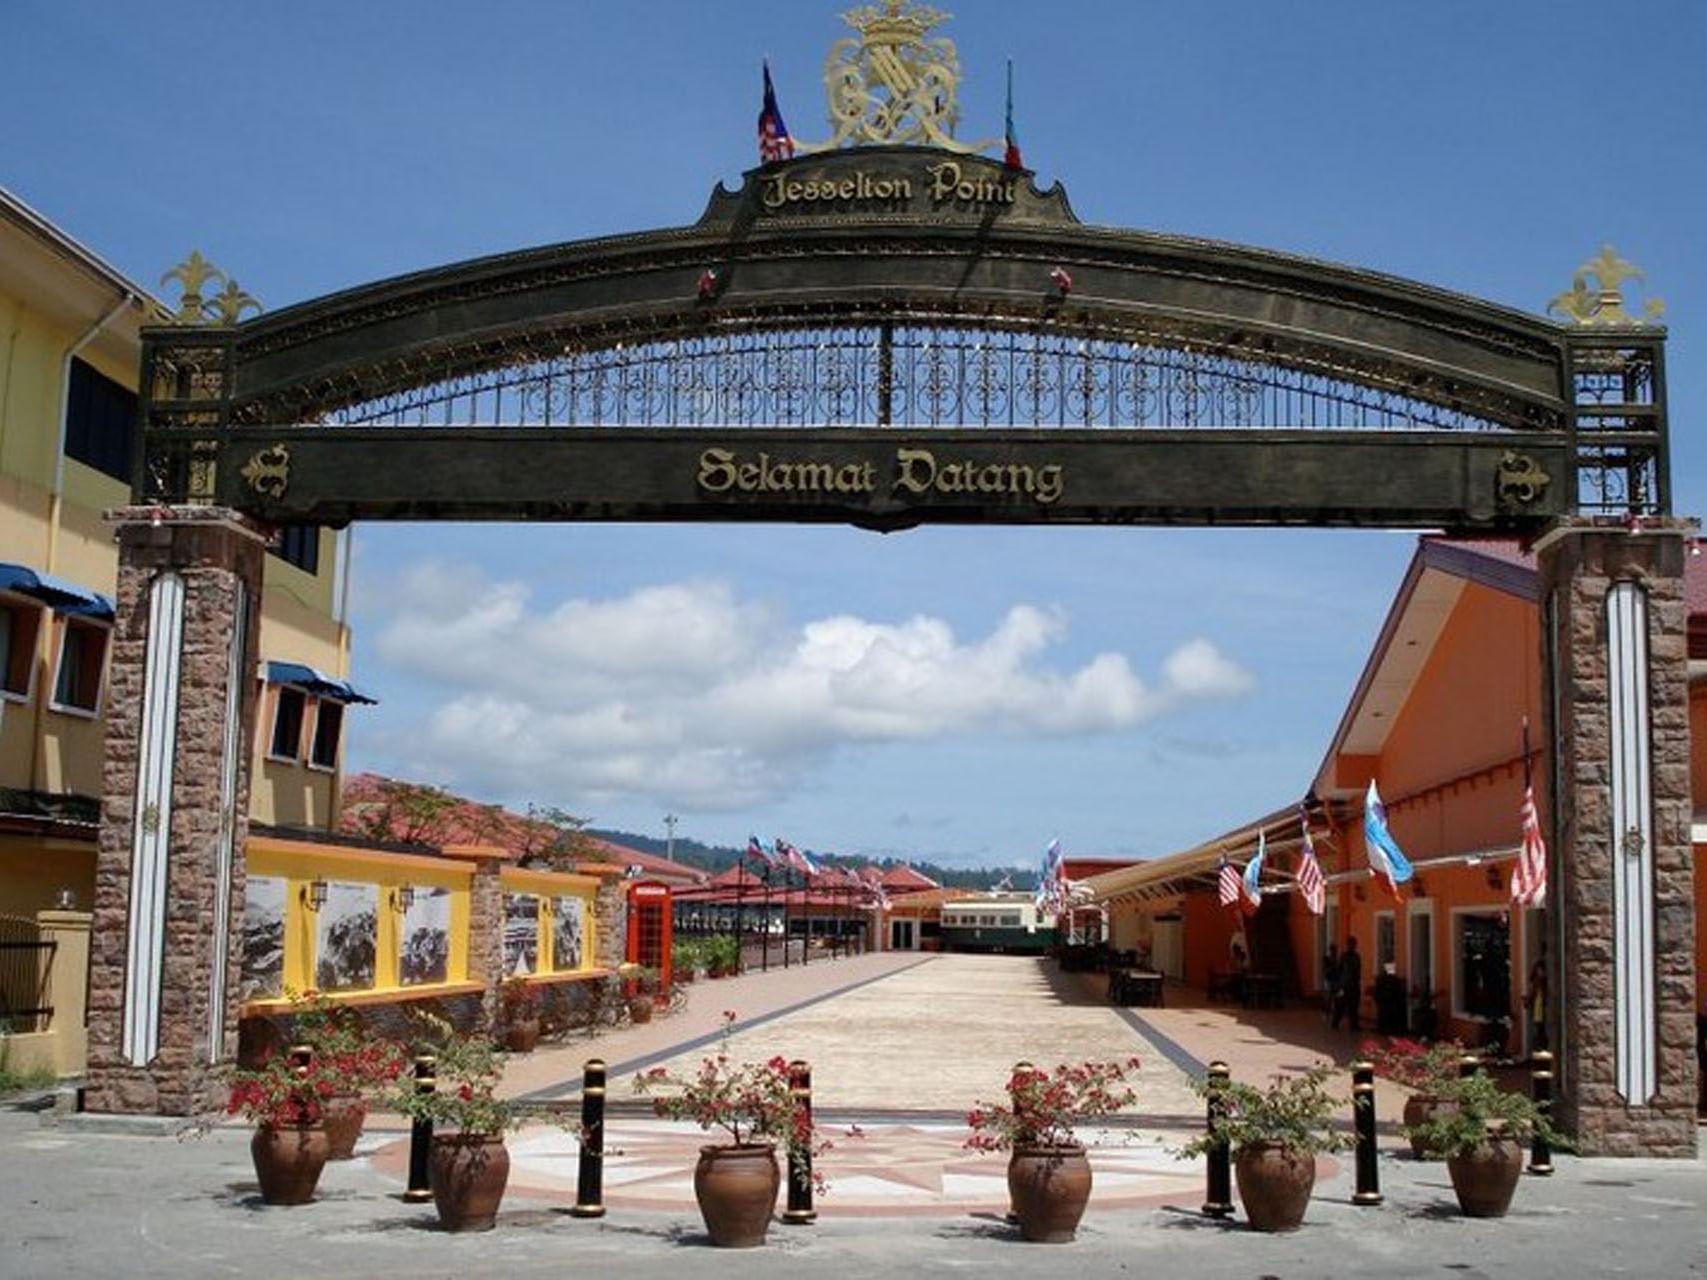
736,1182
722,955
1482,1135
1274,1135
362,1065
518,1003
1049,1175
686,959
470,1166
286,1102
639,987
1422,1068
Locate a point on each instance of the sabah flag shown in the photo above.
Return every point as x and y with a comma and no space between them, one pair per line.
1251,885
1385,857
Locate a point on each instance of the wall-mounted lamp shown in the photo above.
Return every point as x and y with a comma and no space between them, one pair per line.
314,895
1360,893
1493,874
65,900
404,897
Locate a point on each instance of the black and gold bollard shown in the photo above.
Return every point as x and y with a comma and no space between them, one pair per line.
301,1057
421,1134
1468,1065
800,1210
590,1188
1541,1090
1219,1163
1363,1121
1019,1068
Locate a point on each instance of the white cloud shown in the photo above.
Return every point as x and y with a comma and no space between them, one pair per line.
683,694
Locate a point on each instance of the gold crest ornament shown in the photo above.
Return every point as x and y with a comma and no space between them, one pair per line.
890,84
1596,295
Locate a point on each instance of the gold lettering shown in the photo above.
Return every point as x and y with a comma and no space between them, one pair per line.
751,474
917,470
716,470
945,180
854,477
848,188
1051,483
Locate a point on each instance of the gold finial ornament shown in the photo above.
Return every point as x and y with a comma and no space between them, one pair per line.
192,274
891,84
1596,295
230,303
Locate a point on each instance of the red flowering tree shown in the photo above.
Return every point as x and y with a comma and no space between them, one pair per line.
467,1074
281,1094
1044,1107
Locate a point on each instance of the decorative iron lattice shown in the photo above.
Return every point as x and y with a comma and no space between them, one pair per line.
904,377
1620,425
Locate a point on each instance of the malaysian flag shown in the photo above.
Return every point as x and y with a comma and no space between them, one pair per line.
1309,873
1232,888
757,850
1529,876
774,142
795,858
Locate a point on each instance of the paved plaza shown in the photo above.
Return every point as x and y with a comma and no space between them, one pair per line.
902,1045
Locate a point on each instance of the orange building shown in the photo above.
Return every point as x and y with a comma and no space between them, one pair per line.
1437,722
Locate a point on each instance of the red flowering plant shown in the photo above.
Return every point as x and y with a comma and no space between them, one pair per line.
1414,1064
362,1065
281,1093
467,1073
752,1102
1043,1107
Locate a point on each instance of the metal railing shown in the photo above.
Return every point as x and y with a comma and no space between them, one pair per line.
26,976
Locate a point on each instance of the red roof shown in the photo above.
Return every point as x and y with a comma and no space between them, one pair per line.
903,879
654,866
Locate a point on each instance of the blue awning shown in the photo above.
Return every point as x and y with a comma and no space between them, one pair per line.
301,676
56,593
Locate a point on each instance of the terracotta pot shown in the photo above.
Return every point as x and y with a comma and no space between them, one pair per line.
640,1009
1486,1178
1049,1188
1274,1185
736,1188
344,1117
469,1172
1421,1107
288,1160
521,1035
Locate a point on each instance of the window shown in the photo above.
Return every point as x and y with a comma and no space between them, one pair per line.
299,544
1422,948
82,650
100,418
19,623
1483,987
287,724
1386,941
328,726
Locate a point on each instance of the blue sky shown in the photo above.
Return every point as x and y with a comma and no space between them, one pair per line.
312,146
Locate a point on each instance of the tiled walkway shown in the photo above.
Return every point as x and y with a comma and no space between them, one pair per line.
901,1046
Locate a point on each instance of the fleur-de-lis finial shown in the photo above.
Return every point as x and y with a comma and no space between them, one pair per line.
229,304
1596,295
192,274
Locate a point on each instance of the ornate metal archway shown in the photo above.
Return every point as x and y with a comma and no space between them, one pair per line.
892,336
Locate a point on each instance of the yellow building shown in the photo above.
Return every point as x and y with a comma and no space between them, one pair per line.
69,357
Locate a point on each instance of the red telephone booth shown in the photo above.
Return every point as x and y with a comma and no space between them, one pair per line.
651,928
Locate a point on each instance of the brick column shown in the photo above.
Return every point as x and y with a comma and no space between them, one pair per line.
1621,893
486,931
174,815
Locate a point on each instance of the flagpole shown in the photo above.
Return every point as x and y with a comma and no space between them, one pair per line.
765,944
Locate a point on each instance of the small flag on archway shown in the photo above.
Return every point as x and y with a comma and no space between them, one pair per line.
1012,157
774,141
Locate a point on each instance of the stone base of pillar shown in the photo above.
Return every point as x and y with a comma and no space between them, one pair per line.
163,972
1621,892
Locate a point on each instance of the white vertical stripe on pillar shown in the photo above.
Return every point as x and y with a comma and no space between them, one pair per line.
236,672
1632,853
152,821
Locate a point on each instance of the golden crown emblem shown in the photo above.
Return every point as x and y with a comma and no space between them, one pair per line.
893,83
895,23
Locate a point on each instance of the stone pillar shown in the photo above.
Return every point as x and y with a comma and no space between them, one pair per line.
67,987
174,814
485,922
1621,888
610,914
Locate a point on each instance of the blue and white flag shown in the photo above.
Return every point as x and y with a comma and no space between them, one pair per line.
1385,856
1252,884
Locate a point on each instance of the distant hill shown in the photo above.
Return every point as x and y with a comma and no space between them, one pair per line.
717,857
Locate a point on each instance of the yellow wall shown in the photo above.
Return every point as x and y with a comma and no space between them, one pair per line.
34,869
299,865
548,886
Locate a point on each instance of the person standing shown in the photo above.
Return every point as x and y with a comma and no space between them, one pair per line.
1350,985
1330,980
1535,1004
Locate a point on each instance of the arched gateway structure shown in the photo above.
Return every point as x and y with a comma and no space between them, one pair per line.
893,336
